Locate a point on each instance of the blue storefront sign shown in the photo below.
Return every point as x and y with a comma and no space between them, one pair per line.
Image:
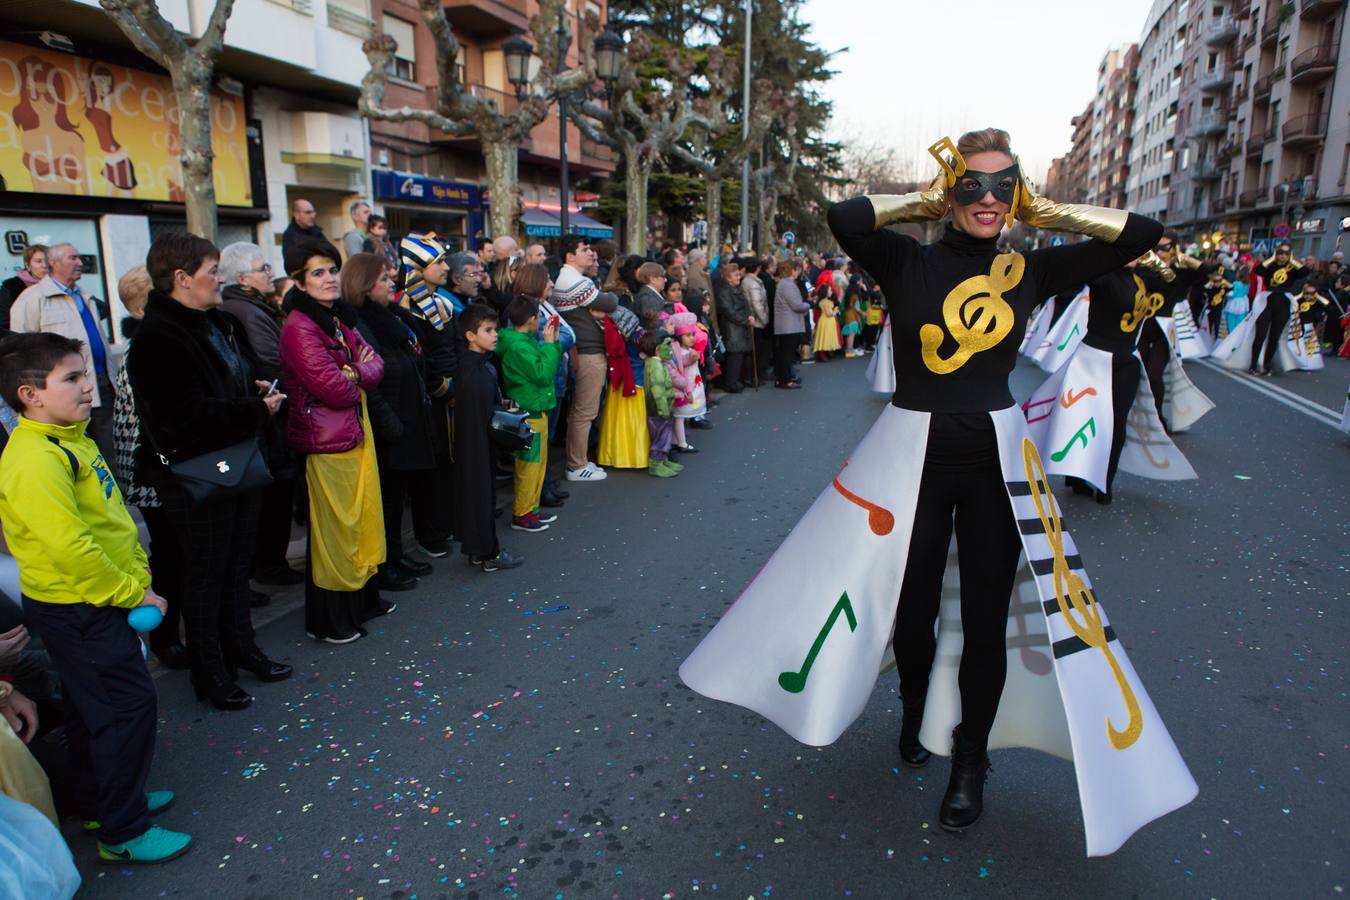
399,188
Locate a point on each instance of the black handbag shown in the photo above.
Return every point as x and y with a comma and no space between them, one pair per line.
222,473
510,431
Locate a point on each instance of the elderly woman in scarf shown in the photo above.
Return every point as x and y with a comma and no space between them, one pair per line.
328,368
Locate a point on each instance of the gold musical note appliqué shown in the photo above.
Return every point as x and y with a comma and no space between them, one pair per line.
1145,305
1090,629
1279,276
975,313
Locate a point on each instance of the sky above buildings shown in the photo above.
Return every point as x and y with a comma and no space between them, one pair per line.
912,71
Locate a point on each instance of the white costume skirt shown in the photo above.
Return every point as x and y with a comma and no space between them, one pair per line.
881,368
1295,351
1071,420
804,643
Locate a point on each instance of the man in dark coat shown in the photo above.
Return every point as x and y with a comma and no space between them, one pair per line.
302,225
475,402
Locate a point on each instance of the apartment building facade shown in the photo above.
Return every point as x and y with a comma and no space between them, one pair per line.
1113,112
1157,92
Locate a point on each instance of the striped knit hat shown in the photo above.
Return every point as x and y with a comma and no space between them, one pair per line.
416,252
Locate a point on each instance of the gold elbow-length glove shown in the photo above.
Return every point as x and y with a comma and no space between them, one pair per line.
1094,221
1154,264
919,206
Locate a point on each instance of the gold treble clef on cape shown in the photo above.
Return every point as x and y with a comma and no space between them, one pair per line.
975,313
1145,305
1279,276
1079,607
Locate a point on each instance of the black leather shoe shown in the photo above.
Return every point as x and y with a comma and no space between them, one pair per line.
560,492
172,656
700,423
912,753
263,669
552,501
390,578
257,599
414,567
964,801
222,692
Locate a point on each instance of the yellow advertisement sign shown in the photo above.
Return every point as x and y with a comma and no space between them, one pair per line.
70,125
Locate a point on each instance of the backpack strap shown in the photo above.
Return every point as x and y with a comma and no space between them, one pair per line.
74,463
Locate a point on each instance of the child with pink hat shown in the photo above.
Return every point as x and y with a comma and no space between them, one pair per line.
691,402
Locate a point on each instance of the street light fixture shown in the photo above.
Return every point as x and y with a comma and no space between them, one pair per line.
518,52
609,49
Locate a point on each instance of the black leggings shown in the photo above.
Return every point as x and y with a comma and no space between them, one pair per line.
989,547
1155,352
1124,387
1270,324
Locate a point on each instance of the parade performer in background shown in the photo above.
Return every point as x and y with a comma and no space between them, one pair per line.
1101,380
952,450
1216,294
881,369
1281,274
1154,347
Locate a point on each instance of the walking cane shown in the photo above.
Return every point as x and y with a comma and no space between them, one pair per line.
754,356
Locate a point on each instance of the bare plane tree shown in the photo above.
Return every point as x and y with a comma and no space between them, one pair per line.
460,112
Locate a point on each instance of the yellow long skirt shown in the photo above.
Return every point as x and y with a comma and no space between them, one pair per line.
624,442
346,516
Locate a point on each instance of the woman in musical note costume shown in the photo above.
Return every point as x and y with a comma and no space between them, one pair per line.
1154,348
951,450
1101,384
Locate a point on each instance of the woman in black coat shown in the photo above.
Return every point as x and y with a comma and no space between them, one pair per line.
192,371
733,315
400,409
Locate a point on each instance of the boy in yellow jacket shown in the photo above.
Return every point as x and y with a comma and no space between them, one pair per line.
81,569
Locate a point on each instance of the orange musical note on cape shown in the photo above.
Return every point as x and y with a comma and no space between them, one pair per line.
879,519
1070,398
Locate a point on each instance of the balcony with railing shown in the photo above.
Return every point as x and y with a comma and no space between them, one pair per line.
1313,64
1248,39
1240,10
1271,30
1216,80
1248,199
1221,31
1241,93
1229,149
488,17
504,102
1319,9
1214,122
1261,90
1223,203
1256,144
1305,131
1206,170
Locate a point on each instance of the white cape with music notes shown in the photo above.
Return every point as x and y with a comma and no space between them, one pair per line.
803,643
1235,351
1071,420
1064,336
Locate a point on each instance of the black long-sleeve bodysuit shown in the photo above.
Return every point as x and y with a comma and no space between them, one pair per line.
958,313
1274,318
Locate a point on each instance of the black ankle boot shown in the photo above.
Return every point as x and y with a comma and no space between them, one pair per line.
912,753
255,661
964,801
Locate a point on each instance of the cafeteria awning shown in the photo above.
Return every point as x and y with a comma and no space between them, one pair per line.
585,226
540,223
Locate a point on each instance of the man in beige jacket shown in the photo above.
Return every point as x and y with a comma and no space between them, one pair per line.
57,304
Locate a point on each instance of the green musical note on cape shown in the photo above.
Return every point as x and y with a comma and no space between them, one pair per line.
1069,338
793,682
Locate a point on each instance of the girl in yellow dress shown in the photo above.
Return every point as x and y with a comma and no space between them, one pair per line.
827,329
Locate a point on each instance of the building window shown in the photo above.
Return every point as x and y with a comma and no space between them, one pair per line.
1345,164
404,63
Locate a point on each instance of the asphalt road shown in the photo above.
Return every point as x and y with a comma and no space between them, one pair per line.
525,734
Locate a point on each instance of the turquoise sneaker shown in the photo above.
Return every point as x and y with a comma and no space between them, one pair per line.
155,846
156,801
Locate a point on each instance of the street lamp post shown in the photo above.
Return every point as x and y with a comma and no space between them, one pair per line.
745,133
608,58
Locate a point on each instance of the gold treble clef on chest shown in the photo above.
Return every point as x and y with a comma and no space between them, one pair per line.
1279,276
1145,305
975,313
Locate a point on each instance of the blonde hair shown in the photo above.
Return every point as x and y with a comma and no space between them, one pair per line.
133,289
986,140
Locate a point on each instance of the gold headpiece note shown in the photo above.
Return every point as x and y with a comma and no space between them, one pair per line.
954,167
